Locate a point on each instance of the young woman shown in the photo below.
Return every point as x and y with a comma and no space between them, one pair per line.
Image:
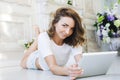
52,49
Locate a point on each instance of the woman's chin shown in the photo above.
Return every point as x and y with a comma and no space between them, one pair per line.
63,37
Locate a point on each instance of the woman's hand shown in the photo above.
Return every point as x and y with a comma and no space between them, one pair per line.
75,71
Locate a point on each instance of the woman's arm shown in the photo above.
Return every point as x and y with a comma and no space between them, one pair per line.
55,69
73,71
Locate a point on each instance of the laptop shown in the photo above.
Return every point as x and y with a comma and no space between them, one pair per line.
96,63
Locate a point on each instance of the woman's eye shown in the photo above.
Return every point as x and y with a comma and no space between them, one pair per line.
63,25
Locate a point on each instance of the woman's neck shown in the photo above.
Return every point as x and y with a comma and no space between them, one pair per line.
57,40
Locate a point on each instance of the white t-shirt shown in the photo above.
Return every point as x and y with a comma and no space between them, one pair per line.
47,47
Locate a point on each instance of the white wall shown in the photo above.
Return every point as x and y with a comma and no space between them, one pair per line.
18,16
15,23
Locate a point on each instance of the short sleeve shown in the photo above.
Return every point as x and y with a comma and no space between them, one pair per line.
77,50
44,44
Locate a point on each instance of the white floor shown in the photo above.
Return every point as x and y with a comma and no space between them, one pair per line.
12,71
16,73
8,59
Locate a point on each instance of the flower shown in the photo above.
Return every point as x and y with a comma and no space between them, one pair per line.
107,25
28,44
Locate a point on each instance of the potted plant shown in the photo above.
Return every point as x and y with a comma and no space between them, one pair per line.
108,26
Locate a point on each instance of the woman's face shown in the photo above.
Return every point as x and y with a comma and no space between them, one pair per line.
64,27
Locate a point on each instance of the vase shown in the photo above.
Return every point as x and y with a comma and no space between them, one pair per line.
105,46
115,43
118,51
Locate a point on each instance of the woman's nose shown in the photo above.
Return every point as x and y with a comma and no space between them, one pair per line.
67,31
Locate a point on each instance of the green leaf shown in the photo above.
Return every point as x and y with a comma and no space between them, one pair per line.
118,1
95,24
100,19
69,2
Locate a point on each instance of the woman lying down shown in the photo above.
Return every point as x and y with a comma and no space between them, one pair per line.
52,49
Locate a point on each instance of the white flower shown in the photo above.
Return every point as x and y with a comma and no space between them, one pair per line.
104,32
107,25
117,23
98,32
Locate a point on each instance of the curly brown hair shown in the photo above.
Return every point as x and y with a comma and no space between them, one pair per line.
77,37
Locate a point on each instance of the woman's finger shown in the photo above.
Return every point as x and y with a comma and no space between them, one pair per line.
76,73
72,78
